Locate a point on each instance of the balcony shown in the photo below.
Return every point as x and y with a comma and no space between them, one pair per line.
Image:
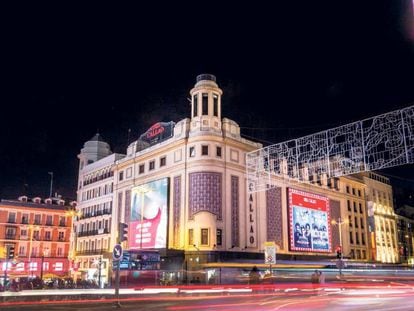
62,224
11,221
10,236
25,221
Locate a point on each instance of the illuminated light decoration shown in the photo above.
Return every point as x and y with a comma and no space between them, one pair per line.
379,142
309,222
148,226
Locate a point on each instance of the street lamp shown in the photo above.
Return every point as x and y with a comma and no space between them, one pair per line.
340,222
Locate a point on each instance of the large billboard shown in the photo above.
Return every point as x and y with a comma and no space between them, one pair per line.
149,214
309,222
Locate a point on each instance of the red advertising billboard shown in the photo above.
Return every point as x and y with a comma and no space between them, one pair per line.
309,222
149,214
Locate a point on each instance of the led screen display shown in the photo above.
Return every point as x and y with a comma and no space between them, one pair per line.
309,222
149,214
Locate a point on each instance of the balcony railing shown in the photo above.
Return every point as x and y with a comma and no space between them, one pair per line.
11,221
93,232
92,252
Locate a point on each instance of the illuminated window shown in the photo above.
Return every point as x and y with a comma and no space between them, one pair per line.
190,236
141,169
163,161
215,105
151,165
205,104
192,152
204,236
195,101
219,237
204,150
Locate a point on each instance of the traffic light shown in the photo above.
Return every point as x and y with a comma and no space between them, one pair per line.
123,232
11,252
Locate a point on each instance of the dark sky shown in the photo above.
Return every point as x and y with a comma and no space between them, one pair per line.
286,71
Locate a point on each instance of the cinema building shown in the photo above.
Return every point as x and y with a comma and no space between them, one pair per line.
181,189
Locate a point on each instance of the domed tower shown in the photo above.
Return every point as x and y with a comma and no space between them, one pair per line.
206,104
93,150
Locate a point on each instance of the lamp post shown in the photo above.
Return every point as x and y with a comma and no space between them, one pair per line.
45,252
340,222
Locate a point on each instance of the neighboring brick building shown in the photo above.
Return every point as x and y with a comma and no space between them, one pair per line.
39,232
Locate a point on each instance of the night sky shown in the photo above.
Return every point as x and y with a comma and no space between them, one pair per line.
286,71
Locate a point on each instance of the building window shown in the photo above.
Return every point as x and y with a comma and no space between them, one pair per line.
204,236
356,222
36,235
49,221
195,101
219,237
12,218
60,252
25,218
347,189
360,208
190,236
163,161
362,223
61,236
192,152
205,104
349,205
364,254
121,176
151,165
141,169
215,105
37,219
353,191
351,237
218,152
363,238
350,220
359,192
23,233
204,150
48,235
355,208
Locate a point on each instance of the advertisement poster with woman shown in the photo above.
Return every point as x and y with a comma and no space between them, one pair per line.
148,226
309,222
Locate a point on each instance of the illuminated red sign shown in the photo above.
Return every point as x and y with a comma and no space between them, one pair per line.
155,130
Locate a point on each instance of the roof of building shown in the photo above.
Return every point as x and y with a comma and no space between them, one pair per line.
97,137
52,206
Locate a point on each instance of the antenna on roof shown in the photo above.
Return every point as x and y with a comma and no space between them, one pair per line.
51,183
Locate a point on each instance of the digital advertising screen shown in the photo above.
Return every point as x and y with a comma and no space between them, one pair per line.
309,222
149,214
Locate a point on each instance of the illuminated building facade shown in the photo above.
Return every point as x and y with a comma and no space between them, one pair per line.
381,218
405,235
181,188
39,232
94,234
